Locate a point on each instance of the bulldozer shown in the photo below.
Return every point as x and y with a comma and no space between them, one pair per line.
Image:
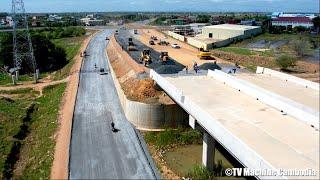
131,45
164,57
145,57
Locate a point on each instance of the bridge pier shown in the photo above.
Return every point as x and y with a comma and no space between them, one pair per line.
208,151
208,147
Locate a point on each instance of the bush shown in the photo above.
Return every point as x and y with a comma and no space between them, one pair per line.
170,137
200,172
301,47
286,61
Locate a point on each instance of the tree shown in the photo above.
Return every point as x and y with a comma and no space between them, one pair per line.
203,18
301,47
48,56
316,23
285,61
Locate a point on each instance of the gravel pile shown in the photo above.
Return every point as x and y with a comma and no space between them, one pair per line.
168,69
211,66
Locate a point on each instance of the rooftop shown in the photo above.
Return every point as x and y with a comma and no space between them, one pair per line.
232,27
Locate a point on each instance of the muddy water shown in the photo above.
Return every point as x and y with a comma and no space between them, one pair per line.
182,159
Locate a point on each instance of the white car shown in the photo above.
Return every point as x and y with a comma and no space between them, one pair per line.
175,46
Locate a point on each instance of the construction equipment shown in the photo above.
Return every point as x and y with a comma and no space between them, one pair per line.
204,54
145,57
154,38
163,43
164,57
131,45
151,42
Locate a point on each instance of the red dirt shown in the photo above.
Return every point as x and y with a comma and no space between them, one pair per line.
126,70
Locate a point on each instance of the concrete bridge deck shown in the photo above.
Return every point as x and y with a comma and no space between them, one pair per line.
258,135
291,90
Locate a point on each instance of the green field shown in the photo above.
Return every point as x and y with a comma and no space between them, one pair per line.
72,47
27,128
246,51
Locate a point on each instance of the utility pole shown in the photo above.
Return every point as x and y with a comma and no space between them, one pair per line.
22,45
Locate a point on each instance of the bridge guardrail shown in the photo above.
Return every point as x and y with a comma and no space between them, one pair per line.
285,105
287,77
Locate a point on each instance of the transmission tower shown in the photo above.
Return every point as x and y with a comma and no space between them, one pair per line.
22,45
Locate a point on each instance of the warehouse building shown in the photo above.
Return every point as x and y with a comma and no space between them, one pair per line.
230,31
222,35
218,35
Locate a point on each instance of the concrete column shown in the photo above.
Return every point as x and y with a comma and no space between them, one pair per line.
208,151
13,79
17,75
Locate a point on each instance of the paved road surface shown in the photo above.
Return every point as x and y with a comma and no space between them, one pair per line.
96,152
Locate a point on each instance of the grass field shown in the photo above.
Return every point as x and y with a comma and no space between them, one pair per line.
27,130
72,47
246,51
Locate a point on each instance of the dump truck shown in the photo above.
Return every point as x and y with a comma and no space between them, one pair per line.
145,57
131,45
164,57
163,43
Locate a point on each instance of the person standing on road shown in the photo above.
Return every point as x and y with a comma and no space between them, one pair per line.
195,67
186,67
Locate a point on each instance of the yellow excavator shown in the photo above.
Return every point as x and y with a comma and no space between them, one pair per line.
145,57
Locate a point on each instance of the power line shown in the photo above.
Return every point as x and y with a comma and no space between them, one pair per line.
22,45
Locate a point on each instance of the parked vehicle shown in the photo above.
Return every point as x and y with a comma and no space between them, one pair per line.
176,46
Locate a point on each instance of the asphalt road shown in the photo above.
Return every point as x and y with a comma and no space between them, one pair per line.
172,65
97,152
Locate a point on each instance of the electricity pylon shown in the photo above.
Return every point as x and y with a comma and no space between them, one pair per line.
22,45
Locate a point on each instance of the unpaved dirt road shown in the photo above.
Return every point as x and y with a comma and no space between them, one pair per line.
186,55
97,152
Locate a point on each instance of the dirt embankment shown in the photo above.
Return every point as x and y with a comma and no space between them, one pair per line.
133,77
245,60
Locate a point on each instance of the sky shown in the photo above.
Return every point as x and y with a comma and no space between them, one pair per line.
166,5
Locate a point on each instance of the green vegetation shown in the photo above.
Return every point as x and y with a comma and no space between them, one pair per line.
60,32
72,47
5,79
241,51
203,19
26,131
246,52
285,61
54,49
200,172
171,137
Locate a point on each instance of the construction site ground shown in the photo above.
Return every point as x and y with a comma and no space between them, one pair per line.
187,55
133,77
170,67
